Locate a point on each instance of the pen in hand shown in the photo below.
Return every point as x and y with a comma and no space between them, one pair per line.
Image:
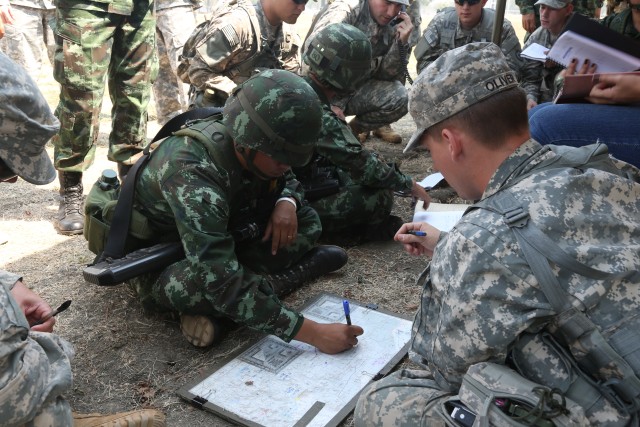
347,312
417,233
52,313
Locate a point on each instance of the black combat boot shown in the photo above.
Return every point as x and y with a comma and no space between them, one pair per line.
382,231
317,262
70,219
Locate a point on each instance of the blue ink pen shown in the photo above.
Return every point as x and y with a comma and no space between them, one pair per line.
347,312
417,233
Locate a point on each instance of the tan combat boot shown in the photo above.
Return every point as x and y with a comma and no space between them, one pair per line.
140,418
360,133
387,134
70,218
200,331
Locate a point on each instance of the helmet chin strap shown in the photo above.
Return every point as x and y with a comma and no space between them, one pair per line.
249,155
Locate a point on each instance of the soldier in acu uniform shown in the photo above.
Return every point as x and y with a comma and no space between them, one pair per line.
339,60
482,301
238,41
226,174
469,21
35,365
98,41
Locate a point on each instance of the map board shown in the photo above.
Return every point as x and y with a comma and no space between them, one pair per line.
273,383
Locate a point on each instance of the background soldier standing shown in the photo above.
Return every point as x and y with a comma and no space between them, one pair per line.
98,40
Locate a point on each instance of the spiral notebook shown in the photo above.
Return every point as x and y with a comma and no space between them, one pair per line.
583,38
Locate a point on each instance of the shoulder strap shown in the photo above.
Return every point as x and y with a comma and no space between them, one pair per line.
115,246
571,324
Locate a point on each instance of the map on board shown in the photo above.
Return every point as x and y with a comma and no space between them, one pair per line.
273,383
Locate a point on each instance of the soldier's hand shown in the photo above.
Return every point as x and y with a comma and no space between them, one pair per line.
282,227
529,22
33,307
418,238
330,338
530,104
419,192
404,28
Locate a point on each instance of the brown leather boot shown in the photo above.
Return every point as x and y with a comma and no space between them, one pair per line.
70,218
140,418
200,331
387,134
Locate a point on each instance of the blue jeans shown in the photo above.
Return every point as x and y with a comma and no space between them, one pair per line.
617,126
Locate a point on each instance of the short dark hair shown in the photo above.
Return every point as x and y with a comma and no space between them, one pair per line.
491,120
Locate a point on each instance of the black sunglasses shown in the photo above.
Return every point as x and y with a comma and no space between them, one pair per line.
6,174
471,2
300,1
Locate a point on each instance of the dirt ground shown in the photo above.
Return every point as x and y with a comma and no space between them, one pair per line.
126,359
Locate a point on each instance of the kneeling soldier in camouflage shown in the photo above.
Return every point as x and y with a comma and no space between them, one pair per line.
211,184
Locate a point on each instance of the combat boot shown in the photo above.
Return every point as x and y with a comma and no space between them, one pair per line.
140,418
382,231
358,130
70,218
200,331
387,134
315,263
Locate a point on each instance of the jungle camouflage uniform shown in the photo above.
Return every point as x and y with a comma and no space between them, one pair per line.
35,368
33,27
622,23
228,54
444,33
366,182
97,38
175,21
201,192
382,99
480,297
537,78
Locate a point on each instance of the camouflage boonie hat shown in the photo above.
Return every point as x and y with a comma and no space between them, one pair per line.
404,2
456,80
26,124
340,54
275,112
554,4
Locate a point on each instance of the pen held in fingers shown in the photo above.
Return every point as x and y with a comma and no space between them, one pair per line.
417,233
53,313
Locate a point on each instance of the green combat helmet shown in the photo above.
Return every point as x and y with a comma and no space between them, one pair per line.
340,54
275,112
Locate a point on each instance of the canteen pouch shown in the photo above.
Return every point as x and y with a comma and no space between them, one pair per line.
99,207
498,396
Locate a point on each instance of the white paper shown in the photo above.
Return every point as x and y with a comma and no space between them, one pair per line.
536,52
440,215
276,384
431,180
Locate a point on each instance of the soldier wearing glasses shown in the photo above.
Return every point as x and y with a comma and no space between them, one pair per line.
468,22
239,40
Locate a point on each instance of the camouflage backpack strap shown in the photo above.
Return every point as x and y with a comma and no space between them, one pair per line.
617,379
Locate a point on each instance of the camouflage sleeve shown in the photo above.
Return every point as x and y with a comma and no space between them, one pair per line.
338,144
416,19
293,188
229,41
464,316
201,211
526,6
511,48
427,49
531,71
338,11
291,58
35,367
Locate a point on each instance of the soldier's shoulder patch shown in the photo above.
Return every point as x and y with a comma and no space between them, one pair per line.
231,36
431,36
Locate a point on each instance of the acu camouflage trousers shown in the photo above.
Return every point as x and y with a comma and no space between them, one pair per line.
92,46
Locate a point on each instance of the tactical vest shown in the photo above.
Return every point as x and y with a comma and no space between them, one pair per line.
605,362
